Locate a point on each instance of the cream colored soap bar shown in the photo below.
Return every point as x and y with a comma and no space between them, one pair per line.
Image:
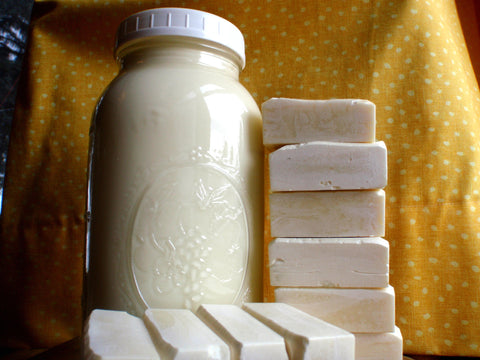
112,335
179,334
355,310
306,337
382,346
329,262
328,213
247,337
294,121
325,165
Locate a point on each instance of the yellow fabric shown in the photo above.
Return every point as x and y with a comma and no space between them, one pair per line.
409,57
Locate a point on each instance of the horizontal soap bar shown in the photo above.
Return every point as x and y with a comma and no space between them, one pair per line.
294,121
306,337
355,310
381,346
247,337
179,334
326,165
328,213
329,262
114,335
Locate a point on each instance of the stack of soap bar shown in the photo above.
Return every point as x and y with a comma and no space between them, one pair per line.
326,215
215,332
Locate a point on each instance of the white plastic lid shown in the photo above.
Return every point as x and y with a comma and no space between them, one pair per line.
181,22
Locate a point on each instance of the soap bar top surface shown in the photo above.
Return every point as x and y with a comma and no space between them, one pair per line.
111,335
294,121
306,337
329,262
325,165
247,337
179,334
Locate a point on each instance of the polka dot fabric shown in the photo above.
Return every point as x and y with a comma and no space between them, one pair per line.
409,57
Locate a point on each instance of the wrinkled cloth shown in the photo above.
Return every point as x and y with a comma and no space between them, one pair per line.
408,57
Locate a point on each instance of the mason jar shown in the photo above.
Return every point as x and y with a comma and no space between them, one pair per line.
175,184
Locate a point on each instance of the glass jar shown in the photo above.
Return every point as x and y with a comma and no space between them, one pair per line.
175,195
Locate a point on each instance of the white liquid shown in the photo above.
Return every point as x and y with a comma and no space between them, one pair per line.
176,186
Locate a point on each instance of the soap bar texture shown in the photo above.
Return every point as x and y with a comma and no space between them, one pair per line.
355,310
306,337
179,334
329,262
382,346
328,166
294,121
247,337
328,213
111,335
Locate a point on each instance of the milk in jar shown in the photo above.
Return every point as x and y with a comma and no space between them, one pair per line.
175,195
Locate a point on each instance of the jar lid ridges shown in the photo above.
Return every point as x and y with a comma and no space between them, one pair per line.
181,22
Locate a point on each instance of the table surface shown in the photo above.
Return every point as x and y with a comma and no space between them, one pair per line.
71,350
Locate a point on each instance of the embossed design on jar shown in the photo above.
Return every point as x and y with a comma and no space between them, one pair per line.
189,239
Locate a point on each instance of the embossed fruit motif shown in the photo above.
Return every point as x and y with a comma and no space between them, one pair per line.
189,239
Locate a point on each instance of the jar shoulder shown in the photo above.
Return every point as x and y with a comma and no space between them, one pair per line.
172,86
